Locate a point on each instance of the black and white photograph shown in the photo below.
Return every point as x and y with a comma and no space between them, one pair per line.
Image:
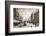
24,17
